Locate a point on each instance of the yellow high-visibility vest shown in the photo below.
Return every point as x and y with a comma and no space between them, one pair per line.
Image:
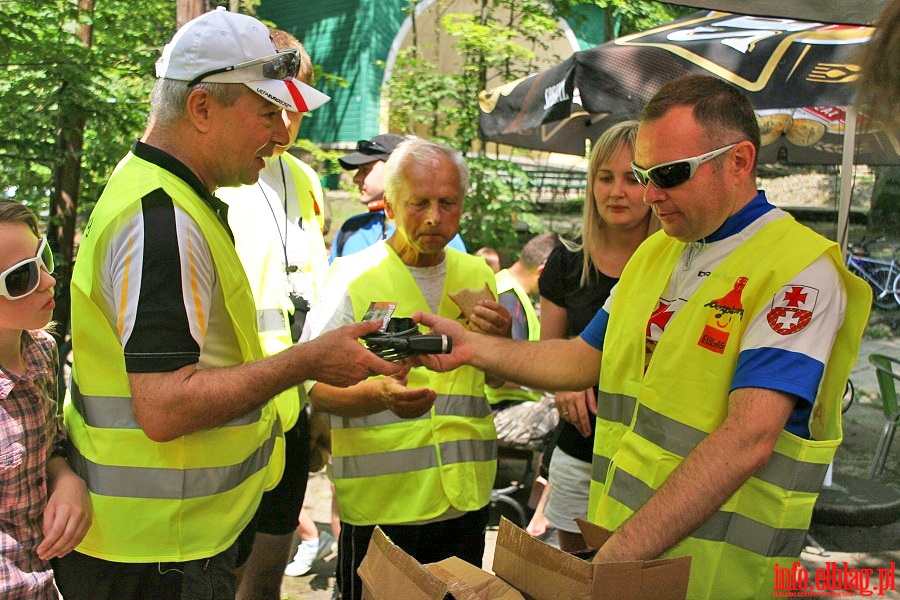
172,501
648,422
390,470
260,248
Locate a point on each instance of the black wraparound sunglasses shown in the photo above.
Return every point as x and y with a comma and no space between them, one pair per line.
675,172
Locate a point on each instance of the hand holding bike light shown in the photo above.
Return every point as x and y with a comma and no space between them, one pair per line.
402,339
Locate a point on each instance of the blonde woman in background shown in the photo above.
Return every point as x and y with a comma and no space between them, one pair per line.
574,285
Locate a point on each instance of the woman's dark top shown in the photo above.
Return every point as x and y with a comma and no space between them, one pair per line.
560,283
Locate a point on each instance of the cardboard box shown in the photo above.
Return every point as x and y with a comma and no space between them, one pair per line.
542,572
525,568
389,573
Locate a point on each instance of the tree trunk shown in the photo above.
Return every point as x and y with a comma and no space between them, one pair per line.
884,214
189,9
66,182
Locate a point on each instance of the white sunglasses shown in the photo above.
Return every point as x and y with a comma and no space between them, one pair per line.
23,278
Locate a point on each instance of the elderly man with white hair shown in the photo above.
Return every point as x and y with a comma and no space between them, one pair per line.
414,455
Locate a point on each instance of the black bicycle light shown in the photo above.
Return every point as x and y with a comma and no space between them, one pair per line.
402,339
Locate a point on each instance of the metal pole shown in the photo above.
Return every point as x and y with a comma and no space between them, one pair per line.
843,225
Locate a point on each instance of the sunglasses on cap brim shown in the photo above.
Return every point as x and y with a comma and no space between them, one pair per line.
367,147
284,65
23,277
676,172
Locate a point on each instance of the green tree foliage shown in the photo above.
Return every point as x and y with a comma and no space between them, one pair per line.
51,73
884,216
78,73
623,16
504,41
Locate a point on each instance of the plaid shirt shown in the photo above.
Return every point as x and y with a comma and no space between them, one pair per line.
29,433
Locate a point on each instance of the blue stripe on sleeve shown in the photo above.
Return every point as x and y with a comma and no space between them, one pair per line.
784,371
595,331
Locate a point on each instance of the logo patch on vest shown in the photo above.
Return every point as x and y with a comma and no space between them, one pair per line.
792,309
720,318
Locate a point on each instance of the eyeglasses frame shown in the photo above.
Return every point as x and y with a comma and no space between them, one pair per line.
370,147
39,260
644,178
258,61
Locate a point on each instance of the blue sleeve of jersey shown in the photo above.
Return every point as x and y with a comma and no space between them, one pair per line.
510,302
367,229
784,371
781,370
457,244
333,254
595,331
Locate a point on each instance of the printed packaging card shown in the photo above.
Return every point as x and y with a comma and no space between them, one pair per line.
380,310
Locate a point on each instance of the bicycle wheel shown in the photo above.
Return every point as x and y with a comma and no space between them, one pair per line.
883,288
896,288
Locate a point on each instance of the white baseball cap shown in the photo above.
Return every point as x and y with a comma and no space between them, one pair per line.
224,47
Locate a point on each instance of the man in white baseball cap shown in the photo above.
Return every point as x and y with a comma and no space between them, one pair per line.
170,420
224,47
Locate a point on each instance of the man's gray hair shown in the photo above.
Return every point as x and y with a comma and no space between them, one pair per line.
168,101
418,151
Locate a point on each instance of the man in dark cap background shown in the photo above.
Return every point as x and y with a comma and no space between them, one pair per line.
361,231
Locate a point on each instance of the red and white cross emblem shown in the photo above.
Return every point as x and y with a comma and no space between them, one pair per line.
792,309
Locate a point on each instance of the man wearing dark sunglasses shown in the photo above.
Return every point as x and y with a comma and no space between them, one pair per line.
170,416
723,353
361,231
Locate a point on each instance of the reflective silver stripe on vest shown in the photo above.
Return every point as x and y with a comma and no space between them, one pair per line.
270,319
680,439
413,459
468,451
599,468
732,528
170,484
457,405
617,408
104,412
384,463
117,412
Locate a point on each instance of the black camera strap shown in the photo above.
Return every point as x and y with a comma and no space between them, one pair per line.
301,305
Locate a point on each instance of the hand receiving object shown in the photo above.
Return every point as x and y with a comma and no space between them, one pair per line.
402,339
467,299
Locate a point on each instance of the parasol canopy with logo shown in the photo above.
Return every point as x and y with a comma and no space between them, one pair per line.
857,12
781,64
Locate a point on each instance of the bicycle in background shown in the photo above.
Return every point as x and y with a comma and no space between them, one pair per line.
881,274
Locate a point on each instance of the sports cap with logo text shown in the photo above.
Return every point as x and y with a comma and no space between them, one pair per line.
225,47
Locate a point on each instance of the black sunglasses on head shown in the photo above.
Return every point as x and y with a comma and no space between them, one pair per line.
367,147
284,65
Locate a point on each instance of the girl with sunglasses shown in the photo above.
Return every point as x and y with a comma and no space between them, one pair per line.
45,508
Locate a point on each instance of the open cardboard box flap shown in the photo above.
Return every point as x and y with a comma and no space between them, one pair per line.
525,568
543,572
389,573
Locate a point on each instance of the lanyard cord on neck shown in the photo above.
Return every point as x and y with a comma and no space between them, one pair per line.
288,268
